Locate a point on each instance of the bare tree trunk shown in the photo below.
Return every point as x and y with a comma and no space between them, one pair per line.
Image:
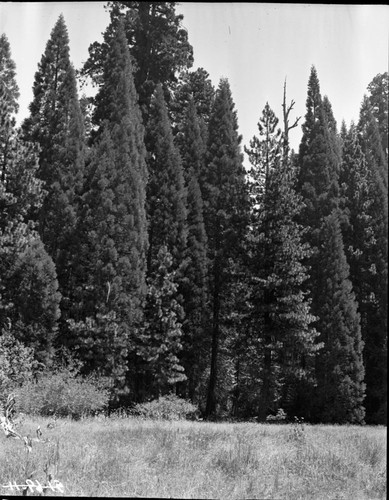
286,110
266,392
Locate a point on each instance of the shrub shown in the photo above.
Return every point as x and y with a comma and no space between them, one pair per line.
168,407
280,417
63,394
16,364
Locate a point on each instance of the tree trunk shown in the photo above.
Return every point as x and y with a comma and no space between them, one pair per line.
211,396
266,396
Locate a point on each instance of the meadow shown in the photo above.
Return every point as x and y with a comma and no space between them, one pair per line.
129,457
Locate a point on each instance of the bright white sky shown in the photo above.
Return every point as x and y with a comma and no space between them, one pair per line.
254,45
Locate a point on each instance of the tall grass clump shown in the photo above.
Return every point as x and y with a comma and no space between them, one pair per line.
63,393
169,407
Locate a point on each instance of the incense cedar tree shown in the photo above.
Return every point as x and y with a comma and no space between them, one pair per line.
340,371
194,285
375,296
225,215
113,224
160,340
55,123
29,298
166,193
320,163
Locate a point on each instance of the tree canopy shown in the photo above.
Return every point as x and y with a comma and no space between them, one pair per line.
140,244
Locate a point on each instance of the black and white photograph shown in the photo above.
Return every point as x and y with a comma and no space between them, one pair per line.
193,250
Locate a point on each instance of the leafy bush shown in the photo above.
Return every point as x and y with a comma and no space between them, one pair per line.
63,394
16,364
168,407
278,418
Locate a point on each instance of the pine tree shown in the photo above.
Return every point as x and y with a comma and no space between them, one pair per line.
280,311
29,298
340,370
225,215
112,263
56,124
166,195
375,296
8,75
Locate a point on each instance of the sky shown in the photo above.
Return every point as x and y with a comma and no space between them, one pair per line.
256,46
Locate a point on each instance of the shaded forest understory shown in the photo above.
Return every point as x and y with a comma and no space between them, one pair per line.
138,251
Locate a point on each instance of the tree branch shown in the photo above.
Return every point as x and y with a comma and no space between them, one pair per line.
287,127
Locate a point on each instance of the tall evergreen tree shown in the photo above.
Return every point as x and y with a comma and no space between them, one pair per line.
8,75
166,216
194,286
194,85
340,371
280,311
160,343
379,96
29,298
225,215
199,85
375,296
318,171
166,194
158,45
56,124
190,142
355,201
318,182
112,263
370,139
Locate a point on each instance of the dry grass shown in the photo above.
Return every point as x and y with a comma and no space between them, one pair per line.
129,458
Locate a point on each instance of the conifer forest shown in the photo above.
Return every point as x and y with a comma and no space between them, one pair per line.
135,243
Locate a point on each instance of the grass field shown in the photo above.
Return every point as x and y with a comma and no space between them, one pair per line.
129,457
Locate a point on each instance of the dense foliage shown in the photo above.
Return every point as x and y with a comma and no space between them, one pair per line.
62,393
133,234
